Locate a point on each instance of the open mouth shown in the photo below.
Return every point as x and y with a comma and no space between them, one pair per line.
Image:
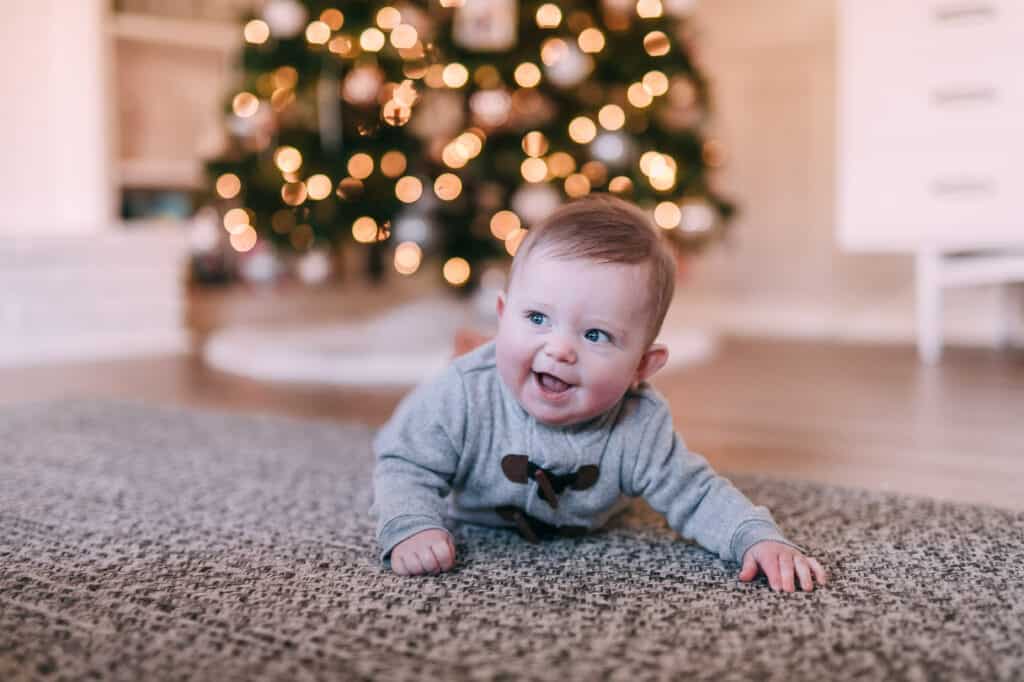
550,383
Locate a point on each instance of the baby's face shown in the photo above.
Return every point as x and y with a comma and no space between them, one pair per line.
571,335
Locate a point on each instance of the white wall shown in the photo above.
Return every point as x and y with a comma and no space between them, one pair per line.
54,128
772,66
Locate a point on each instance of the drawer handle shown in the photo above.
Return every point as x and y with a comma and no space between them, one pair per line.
950,187
953,96
963,11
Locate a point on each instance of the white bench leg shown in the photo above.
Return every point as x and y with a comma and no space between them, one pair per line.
1004,315
929,306
1011,301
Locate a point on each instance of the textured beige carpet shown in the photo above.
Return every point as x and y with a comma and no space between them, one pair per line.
144,543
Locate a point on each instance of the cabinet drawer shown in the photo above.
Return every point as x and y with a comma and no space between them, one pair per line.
950,26
983,93
914,190
904,68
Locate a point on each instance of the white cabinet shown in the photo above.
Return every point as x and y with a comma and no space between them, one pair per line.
931,141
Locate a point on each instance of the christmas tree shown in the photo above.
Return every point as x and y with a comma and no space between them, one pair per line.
445,129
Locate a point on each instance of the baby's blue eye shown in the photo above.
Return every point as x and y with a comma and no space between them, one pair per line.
596,335
536,318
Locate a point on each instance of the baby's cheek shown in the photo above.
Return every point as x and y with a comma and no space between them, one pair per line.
605,393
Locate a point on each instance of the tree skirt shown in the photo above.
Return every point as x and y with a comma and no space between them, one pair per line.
144,543
402,346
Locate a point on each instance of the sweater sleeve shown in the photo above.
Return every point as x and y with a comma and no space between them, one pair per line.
698,503
417,454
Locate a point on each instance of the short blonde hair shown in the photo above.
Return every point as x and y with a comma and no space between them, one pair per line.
605,229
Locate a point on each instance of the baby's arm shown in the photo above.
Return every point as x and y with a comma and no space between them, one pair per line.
700,504
429,551
417,454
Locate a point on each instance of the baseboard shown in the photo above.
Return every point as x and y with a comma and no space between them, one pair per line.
970,316
50,349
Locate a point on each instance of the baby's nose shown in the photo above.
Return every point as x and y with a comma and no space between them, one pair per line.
561,349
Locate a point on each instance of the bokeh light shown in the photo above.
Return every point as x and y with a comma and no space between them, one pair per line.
667,215
535,144
513,241
582,130
319,186
656,83
455,75
504,223
256,32
534,170
245,104
638,96
552,50
288,159
388,18
527,75
235,219
318,33
244,240
404,36
286,77
408,257
656,44
393,163
620,184
649,9
456,271
577,185
447,186
561,164
364,230
371,40
549,16
395,113
611,117
294,193
228,186
360,166
591,40
333,18
350,188
408,189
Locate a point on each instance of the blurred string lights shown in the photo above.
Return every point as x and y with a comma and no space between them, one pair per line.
380,127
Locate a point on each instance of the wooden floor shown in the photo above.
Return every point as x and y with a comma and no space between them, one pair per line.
864,416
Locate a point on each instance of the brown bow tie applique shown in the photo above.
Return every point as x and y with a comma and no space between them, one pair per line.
534,530
519,469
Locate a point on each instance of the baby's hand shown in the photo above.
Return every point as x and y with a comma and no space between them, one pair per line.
779,562
429,551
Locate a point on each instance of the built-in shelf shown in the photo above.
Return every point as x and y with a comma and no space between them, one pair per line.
151,49
201,34
160,174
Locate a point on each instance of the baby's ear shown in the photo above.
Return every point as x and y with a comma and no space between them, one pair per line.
652,360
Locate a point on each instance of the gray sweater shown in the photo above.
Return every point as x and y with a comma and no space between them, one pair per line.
448,439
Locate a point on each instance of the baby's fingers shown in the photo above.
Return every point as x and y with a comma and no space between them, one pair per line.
803,570
406,563
443,554
428,560
819,572
786,571
770,567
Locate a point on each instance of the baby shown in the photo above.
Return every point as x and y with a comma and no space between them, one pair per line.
551,427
